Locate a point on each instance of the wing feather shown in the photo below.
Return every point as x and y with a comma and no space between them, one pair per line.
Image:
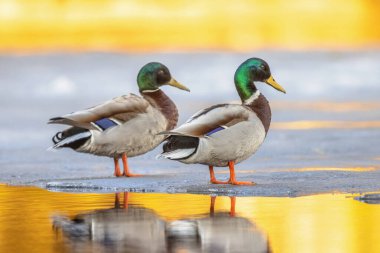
122,108
211,118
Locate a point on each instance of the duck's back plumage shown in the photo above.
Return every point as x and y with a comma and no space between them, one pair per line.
120,108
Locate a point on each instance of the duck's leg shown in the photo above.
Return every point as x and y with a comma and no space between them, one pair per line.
212,176
231,165
126,169
117,172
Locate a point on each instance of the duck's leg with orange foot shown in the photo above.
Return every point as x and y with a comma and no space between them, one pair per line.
231,165
117,172
212,176
126,169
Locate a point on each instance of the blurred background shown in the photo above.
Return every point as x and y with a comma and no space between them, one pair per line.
187,25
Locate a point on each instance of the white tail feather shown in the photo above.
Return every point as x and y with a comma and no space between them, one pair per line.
177,154
70,140
52,149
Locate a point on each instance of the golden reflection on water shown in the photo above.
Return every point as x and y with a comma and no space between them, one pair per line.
319,223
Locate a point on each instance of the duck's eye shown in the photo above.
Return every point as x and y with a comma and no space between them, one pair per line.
162,76
262,67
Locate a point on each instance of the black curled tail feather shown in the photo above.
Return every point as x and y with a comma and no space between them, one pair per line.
180,147
73,137
57,137
180,142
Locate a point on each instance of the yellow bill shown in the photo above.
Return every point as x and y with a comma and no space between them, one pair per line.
174,83
274,84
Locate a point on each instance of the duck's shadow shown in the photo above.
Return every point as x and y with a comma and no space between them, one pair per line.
130,228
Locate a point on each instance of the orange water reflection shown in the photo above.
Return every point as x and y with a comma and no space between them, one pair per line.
146,25
310,124
320,223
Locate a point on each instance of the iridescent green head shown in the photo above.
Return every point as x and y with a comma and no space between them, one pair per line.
253,69
153,75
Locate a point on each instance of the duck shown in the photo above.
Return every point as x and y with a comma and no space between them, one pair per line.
226,134
125,126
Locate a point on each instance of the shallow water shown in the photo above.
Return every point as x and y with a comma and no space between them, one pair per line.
140,222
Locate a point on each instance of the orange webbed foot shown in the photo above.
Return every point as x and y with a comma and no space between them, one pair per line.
118,174
233,180
212,177
218,182
131,175
126,168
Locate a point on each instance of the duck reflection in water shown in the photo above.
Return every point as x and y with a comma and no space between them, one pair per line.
137,229
370,198
120,229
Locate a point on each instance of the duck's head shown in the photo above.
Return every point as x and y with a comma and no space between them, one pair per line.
153,75
253,69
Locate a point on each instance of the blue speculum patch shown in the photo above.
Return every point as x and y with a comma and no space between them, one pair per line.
105,123
214,131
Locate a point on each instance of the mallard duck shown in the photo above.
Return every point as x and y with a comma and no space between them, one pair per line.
125,126
226,134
